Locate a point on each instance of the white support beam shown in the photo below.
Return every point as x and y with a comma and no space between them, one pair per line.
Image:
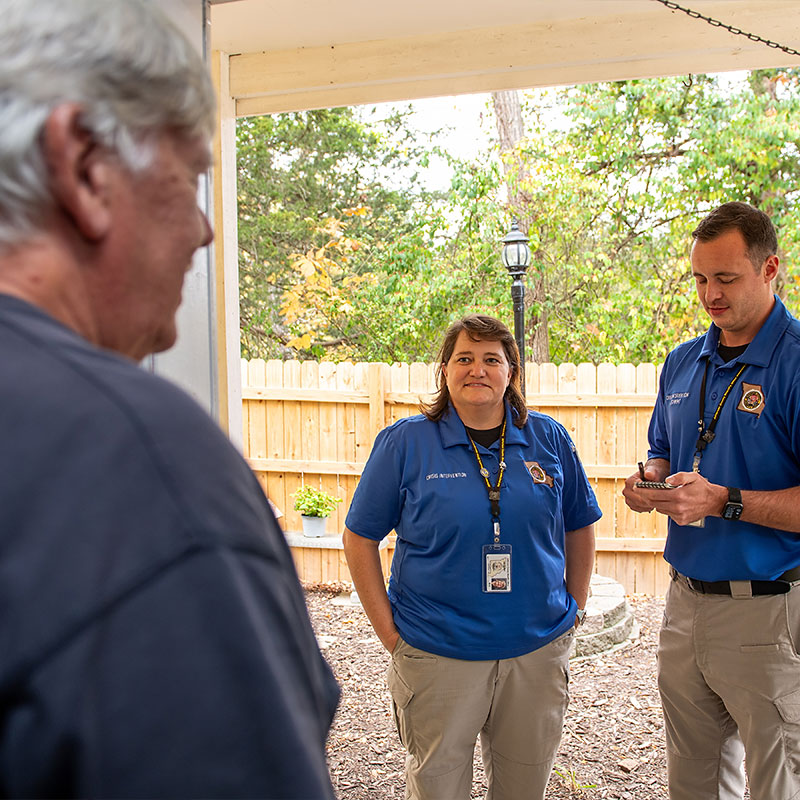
192,362
513,56
227,253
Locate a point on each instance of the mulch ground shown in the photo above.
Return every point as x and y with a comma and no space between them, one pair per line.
613,742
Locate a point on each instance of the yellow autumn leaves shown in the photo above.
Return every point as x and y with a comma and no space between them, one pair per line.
321,294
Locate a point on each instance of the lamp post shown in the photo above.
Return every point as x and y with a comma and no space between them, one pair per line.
517,258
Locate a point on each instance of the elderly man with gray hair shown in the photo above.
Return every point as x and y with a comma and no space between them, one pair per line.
154,640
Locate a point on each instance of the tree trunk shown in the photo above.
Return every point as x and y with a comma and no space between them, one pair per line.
511,130
508,116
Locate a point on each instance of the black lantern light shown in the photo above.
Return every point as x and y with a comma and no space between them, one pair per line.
517,259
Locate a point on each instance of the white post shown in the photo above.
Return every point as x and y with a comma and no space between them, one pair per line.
205,359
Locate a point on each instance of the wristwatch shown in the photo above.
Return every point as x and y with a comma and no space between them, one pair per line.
580,615
733,508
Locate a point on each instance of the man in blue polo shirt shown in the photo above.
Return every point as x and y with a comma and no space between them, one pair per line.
725,433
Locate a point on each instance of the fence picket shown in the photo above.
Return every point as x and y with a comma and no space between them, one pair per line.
548,385
346,439
328,449
398,382
607,450
293,442
586,422
365,434
276,482
245,366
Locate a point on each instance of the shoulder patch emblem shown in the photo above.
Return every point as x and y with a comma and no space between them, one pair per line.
753,399
538,474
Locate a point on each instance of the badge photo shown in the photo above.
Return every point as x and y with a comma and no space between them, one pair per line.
753,399
497,568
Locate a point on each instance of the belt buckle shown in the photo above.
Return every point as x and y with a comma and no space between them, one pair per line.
695,586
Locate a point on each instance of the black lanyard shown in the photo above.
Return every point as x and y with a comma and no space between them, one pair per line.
707,433
494,491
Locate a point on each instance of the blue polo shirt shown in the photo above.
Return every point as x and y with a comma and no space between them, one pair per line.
756,446
422,480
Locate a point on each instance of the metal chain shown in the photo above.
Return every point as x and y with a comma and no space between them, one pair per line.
730,28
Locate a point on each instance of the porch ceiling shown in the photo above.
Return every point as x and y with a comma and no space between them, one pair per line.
299,54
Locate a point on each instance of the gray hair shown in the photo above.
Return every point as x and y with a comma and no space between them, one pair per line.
123,61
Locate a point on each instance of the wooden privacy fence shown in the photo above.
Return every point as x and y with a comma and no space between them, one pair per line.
314,423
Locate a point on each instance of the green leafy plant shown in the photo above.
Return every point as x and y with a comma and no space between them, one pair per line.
311,502
571,779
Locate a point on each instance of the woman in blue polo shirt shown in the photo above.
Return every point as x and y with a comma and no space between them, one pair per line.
495,548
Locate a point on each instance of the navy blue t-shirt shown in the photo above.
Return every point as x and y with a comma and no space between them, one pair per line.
154,640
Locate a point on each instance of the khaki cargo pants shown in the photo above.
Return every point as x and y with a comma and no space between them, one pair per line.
517,706
729,676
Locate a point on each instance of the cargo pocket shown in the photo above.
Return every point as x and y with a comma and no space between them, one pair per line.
789,708
401,697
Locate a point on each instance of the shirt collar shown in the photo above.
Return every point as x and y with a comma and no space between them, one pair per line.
453,432
759,351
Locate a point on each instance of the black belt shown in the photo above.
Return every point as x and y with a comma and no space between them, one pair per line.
779,586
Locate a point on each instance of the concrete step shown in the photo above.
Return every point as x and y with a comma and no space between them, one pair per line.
609,622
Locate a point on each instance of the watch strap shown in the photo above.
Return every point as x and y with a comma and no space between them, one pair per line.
732,510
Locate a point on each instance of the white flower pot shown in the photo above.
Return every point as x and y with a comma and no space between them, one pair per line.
314,527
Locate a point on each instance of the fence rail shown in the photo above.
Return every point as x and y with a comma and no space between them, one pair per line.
314,423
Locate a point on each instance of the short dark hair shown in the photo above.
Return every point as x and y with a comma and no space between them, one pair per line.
479,328
755,226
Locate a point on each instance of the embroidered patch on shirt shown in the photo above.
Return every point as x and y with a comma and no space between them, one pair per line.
752,399
537,473
445,475
675,398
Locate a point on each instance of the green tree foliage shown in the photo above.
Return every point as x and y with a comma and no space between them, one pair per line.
296,173
445,265
343,255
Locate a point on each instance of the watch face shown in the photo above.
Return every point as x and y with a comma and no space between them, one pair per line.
732,511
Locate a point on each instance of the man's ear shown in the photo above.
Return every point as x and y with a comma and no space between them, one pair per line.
80,171
771,268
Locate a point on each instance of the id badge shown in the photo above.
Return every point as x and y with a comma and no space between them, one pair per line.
496,568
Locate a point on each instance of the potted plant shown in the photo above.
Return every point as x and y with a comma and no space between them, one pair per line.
315,506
